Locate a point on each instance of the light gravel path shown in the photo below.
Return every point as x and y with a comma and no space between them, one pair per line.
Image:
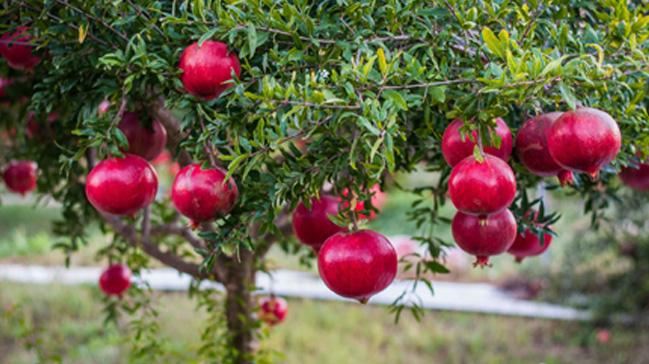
449,296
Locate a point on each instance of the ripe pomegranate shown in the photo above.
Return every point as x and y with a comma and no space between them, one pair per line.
455,147
115,280
481,188
636,178
20,176
272,310
16,48
532,148
484,237
527,244
584,140
312,226
357,264
207,68
122,186
201,194
147,142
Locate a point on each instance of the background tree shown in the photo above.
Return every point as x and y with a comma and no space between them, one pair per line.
369,85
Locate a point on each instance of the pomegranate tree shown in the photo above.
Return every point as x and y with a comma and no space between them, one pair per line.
20,176
272,310
146,141
115,280
207,69
456,147
484,236
584,140
122,186
357,264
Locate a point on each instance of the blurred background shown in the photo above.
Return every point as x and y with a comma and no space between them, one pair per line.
603,269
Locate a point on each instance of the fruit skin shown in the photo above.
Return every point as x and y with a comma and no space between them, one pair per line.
20,176
484,236
122,186
482,188
357,264
273,310
18,56
532,148
455,148
636,178
206,68
312,226
147,142
201,195
584,140
115,279
527,244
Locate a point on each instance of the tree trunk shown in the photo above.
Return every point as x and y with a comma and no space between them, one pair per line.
239,306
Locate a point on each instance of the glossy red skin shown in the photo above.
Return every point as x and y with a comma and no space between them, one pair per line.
357,264
273,310
482,188
584,140
122,186
527,244
636,178
532,145
147,142
115,280
206,68
201,195
484,236
18,56
312,226
455,148
20,176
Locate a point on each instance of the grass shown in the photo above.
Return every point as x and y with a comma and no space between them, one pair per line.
64,324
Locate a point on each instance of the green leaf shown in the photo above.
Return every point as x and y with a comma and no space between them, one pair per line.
493,44
396,99
383,65
568,96
438,94
252,39
207,36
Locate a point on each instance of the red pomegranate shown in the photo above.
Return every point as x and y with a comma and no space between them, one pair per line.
201,194
532,148
272,310
16,47
357,264
527,244
482,188
312,226
20,176
484,236
115,280
122,186
146,141
584,140
207,68
455,147
636,178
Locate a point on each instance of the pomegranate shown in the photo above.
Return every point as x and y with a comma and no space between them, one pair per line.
207,68
122,186
147,142
20,176
16,48
455,147
584,140
636,178
273,310
357,264
484,237
532,148
527,244
312,226
201,194
481,188
115,280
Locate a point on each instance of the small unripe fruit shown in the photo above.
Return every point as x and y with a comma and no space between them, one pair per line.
208,68
20,176
115,280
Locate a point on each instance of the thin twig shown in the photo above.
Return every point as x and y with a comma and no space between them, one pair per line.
99,20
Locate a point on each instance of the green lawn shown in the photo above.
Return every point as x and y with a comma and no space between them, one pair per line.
65,323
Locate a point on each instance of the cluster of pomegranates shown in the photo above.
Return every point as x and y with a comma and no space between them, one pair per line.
482,185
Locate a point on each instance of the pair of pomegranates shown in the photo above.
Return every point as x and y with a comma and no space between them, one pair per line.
20,176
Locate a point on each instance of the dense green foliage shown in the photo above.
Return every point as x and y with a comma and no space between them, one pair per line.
370,85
